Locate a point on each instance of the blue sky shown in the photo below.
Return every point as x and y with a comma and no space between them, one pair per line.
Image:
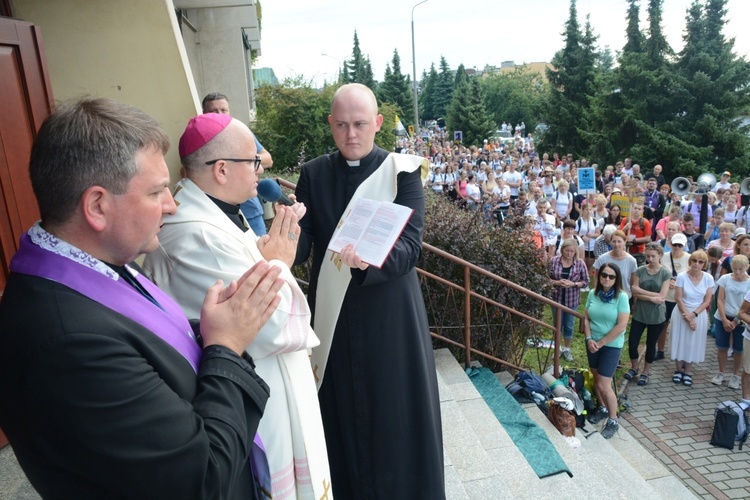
474,32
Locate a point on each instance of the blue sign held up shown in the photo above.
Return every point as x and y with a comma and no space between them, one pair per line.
586,181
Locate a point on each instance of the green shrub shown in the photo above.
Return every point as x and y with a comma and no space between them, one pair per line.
507,252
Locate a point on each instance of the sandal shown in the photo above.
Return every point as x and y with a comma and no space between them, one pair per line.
643,380
677,378
631,374
687,379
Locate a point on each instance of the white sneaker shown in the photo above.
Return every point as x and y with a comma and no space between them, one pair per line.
718,379
734,382
567,355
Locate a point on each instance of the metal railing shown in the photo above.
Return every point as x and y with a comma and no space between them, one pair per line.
469,294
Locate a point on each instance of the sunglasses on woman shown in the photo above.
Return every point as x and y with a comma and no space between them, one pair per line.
607,276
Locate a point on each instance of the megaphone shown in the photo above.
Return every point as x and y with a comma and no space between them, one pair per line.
706,182
745,187
681,186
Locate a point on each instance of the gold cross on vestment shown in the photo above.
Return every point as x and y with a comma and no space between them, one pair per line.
326,487
336,258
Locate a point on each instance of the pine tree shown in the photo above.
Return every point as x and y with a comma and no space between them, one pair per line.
634,42
717,92
396,89
466,112
571,86
461,76
443,92
358,69
367,78
427,97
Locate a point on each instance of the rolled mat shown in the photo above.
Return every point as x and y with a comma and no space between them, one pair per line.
530,439
560,391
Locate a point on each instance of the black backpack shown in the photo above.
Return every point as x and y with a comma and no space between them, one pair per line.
730,425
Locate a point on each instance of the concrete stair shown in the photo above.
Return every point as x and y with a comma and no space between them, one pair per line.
482,462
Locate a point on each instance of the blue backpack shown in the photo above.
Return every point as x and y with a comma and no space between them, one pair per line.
529,387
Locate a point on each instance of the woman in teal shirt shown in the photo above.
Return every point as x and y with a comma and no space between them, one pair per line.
606,318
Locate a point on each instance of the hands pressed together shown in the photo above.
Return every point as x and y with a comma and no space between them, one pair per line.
233,315
281,241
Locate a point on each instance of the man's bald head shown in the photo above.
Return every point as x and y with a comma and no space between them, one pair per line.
360,91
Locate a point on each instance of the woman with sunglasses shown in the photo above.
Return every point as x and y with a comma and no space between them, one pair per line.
693,292
650,286
604,323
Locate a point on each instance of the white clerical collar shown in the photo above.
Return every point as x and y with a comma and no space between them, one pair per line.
352,163
46,240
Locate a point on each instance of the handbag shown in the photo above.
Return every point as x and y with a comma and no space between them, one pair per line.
563,420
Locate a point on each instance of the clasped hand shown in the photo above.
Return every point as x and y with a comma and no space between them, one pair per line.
281,241
567,283
233,315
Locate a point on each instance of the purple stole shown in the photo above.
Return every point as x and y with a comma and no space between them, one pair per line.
652,200
169,322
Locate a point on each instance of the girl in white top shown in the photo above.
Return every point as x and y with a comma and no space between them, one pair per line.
730,209
588,228
727,328
563,200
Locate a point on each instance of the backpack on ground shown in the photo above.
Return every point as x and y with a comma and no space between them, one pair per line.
582,383
528,387
730,425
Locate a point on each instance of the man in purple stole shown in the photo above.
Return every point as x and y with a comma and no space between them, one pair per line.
105,389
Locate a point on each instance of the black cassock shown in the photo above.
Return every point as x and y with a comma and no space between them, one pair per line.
379,398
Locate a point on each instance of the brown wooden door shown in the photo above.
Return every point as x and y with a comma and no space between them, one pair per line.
25,101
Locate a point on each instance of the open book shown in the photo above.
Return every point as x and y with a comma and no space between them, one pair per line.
373,228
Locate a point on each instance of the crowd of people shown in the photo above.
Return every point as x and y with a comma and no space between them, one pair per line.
639,248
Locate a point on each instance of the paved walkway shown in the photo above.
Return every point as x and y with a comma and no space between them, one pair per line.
675,423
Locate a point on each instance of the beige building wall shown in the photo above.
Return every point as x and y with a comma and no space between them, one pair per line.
130,50
214,42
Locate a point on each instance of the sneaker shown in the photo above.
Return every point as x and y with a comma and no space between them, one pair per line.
718,379
567,355
734,382
610,429
659,355
600,414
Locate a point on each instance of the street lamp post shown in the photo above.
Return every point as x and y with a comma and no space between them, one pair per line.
338,65
414,68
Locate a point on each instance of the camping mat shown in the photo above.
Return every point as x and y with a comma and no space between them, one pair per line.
530,439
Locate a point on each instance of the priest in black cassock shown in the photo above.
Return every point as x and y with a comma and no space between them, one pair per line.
375,366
